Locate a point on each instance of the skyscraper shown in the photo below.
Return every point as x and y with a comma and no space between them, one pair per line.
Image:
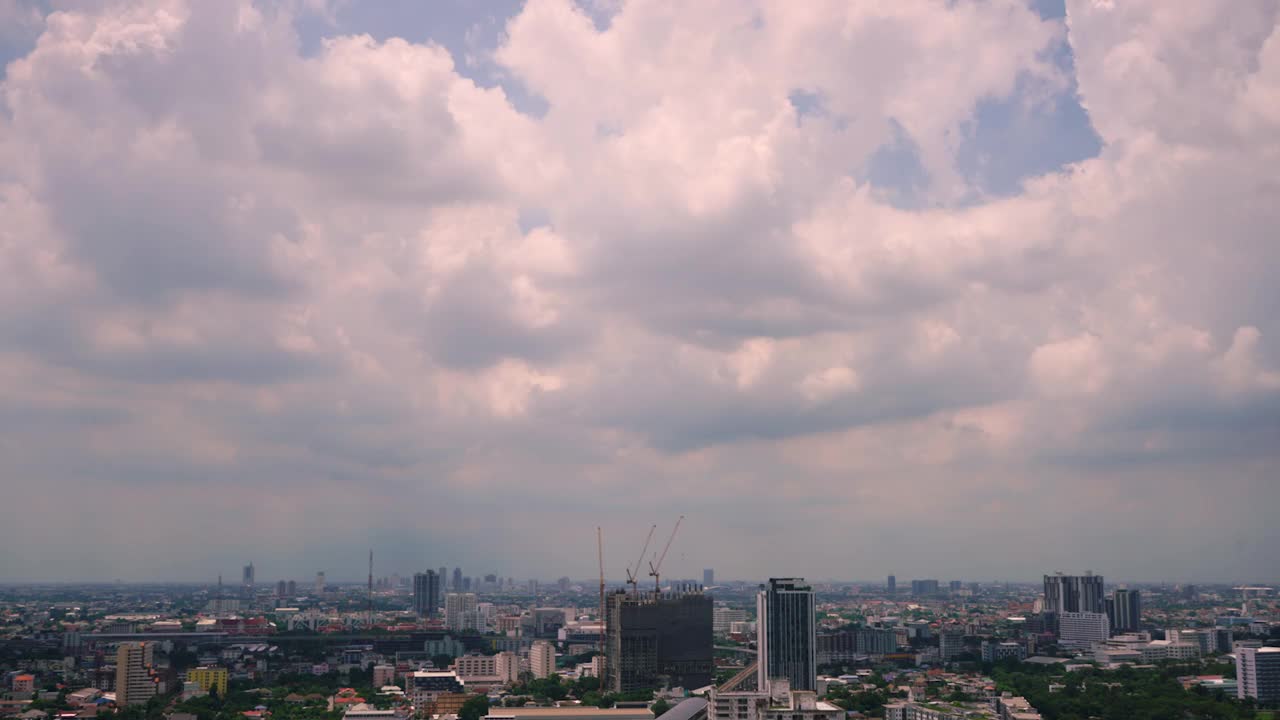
457,579
247,577
1073,593
1127,616
892,585
708,577
786,633
135,683
658,639
426,593
319,586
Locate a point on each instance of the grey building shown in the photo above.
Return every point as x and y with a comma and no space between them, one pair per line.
1127,613
892,585
786,637
426,594
656,640
708,577
1258,674
1073,593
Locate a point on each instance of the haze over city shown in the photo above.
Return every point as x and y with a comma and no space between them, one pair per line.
976,290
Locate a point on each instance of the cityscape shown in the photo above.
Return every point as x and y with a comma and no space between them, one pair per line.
639,360
445,642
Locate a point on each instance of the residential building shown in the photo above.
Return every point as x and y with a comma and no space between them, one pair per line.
318,587
892,585
998,651
461,611
1082,628
425,686
775,701
426,594
468,666
383,675
136,683
457,580
786,637
877,641
542,659
1073,593
1258,674
507,667
658,639
924,587
708,577
24,683
210,679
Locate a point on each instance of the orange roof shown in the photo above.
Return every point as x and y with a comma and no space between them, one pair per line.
25,676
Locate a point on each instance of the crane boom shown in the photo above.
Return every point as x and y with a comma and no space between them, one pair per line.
654,567
634,576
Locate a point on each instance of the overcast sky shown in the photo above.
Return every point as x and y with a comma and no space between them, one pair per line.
971,289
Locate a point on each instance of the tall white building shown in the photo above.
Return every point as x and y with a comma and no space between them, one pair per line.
507,667
1258,673
461,611
723,618
542,659
1082,628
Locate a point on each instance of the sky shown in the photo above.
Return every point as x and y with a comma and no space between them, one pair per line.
966,289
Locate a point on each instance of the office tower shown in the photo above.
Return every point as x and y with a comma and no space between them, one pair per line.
924,587
892,585
1258,674
1082,628
656,639
563,584
1073,593
457,579
135,683
461,612
247,578
426,593
319,587
444,577
542,659
955,586
786,634
291,588
1127,615
708,577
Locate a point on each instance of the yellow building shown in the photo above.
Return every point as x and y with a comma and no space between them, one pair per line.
210,679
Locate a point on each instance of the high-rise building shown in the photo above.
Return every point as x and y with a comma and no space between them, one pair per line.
892,585
955,586
210,679
319,586
723,618
506,665
1258,674
542,659
950,642
924,587
708,577
291,588
461,611
1127,615
653,640
1073,593
786,643
135,681
247,577
456,585
426,593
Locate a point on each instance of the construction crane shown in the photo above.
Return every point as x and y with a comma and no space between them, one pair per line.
633,577
600,552
654,567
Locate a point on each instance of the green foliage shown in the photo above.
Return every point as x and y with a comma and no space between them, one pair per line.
474,708
1124,694
659,707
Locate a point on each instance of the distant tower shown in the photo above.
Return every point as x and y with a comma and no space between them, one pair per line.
247,580
426,593
709,577
369,622
457,579
786,632
892,585
319,587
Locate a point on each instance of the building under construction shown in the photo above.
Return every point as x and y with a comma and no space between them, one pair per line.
656,640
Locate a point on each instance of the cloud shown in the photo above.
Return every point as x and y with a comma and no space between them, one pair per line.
280,281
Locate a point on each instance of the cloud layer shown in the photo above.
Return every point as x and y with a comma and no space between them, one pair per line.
282,296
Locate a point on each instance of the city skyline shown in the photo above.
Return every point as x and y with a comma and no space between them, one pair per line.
925,287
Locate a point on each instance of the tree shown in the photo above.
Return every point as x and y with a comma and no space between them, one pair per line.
659,707
475,708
